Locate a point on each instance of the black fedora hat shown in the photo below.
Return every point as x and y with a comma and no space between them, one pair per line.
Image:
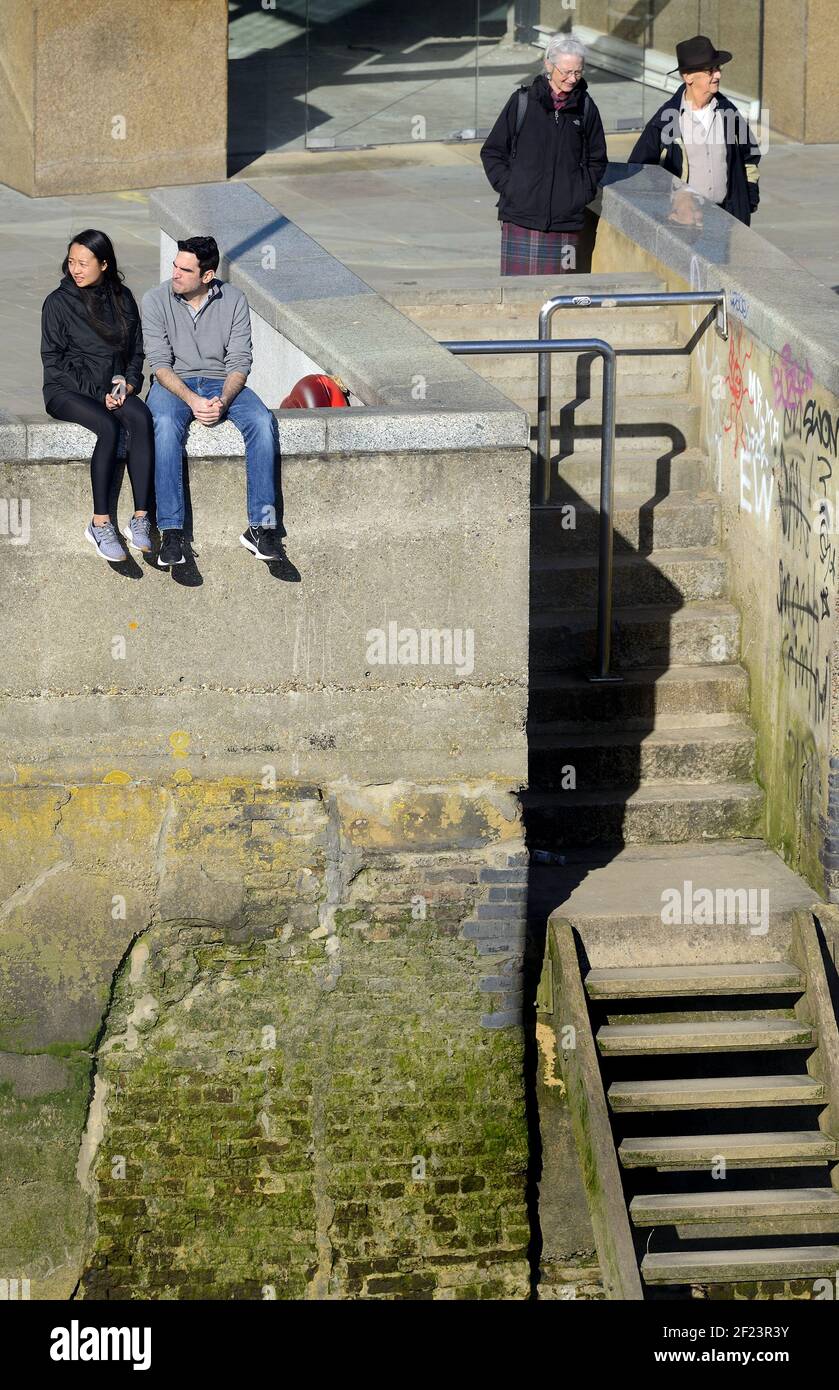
694,54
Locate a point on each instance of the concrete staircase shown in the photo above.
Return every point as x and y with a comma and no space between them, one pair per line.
632,784
680,1048
667,755
682,1191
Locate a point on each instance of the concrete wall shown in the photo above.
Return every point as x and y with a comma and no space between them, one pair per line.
17,95
95,105
770,396
801,47
217,778
261,857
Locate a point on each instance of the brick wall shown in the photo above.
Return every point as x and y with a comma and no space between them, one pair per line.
319,1094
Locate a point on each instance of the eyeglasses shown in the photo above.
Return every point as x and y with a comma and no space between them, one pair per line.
577,72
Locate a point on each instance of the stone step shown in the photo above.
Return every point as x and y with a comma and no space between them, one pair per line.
664,577
698,633
784,1148
625,329
673,981
662,812
738,1035
716,1092
734,1266
671,424
670,1208
487,291
651,466
615,901
717,754
674,521
663,373
645,698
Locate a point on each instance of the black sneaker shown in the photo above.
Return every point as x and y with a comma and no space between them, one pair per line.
262,542
171,549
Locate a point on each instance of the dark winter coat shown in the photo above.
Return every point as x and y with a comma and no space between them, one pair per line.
559,163
75,356
741,150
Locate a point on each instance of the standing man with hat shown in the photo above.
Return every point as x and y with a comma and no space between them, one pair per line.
701,137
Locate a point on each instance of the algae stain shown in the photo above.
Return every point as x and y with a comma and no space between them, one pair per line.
179,741
546,1041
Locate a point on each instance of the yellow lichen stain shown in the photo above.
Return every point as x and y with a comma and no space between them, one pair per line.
117,778
132,627
180,743
546,1040
182,776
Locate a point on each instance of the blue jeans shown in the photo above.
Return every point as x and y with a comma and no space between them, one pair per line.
172,419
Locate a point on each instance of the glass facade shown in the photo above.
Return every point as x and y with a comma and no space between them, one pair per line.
343,74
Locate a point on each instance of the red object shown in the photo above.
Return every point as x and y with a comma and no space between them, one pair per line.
316,390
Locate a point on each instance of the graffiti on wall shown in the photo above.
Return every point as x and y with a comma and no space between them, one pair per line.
761,438
776,452
736,382
790,381
808,470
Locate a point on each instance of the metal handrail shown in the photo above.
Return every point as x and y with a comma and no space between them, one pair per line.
607,482
601,301
545,345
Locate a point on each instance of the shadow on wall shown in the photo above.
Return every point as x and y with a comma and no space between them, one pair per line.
585,740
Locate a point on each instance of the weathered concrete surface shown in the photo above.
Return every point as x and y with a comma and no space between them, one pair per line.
769,400
221,953
234,661
220,814
91,109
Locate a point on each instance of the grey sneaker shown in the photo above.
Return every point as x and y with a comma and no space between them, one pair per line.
138,533
106,540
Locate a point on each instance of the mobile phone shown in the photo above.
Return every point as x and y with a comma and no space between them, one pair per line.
118,388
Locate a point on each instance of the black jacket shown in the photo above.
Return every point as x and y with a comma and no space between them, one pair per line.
560,159
75,356
741,151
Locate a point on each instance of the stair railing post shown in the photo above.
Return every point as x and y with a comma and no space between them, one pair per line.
605,557
543,422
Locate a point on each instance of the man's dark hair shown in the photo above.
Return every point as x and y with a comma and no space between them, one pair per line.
204,249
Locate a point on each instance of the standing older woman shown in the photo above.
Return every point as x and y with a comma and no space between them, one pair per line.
546,156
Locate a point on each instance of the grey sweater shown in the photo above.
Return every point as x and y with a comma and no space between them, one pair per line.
215,343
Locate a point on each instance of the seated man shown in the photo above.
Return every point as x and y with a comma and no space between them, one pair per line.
197,336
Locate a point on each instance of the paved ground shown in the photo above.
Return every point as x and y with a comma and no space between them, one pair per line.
419,210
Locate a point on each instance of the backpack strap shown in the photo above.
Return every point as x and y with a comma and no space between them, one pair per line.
586,110
521,112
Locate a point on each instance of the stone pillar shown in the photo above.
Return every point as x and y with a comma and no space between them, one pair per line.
96,98
800,54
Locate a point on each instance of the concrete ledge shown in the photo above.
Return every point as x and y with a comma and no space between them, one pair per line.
12,436
311,300
302,433
400,645
781,303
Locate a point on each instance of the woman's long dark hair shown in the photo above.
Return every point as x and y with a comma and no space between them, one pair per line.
100,245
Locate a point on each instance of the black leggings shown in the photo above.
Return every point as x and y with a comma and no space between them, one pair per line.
136,419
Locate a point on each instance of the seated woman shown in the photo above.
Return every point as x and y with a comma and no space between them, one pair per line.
92,351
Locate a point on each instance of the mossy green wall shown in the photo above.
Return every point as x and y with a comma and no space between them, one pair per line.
259,1042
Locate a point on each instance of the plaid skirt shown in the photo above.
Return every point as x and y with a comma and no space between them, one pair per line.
524,251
